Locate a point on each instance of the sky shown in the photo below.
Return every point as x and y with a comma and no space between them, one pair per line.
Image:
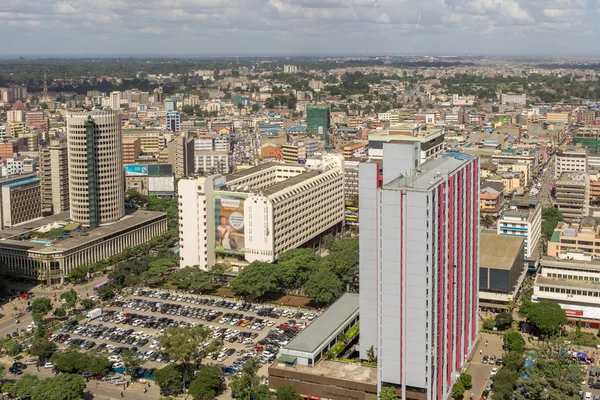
299,27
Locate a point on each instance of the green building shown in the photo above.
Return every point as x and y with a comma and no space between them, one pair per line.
317,120
592,143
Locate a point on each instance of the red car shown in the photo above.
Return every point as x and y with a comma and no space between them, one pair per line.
258,348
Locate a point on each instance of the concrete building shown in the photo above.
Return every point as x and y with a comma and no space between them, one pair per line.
131,149
16,129
258,213
572,193
523,219
513,98
54,174
37,119
502,269
290,69
96,187
317,121
491,198
51,260
419,269
151,140
579,240
570,159
211,162
180,152
574,285
294,153
150,179
21,199
15,116
173,121
429,142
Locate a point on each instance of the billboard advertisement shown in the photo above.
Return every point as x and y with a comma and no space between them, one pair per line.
229,223
136,170
574,313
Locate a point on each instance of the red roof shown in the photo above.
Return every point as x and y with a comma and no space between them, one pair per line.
19,106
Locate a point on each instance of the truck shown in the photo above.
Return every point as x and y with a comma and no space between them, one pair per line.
95,313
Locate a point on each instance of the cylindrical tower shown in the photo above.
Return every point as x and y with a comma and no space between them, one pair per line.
96,184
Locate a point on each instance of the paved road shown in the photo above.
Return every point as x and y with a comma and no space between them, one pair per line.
481,372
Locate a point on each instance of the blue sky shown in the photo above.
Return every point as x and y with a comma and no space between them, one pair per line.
269,27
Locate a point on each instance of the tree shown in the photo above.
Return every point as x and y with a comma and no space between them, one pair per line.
255,107
60,312
106,293
2,371
296,266
24,386
504,321
41,306
131,361
248,384
10,346
371,356
171,379
40,325
192,279
208,383
551,216
466,380
488,221
514,341
60,387
43,348
79,273
550,379
328,242
388,393
504,384
187,346
513,360
70,298
489,324
458,390
87,304
323,286
548,317
256,279
288,392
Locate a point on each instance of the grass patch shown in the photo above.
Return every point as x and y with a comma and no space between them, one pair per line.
583,339
224,291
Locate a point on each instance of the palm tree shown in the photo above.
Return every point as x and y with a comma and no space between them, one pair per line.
488,221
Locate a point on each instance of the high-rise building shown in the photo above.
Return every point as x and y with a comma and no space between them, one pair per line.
419,269
290,69
16,129
54,173
170,105
181,155
572,193
115,100
131,149
173,121
317,120
96,184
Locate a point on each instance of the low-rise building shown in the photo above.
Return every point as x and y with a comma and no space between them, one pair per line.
131,149
211,162
501,269
523,219
491,198
570,159
576,241
21,199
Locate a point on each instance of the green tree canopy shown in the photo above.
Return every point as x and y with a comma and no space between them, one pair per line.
10,346
296,265
24,386
548,317
513,360
504,384
288,392
41,306
87,304
503,321
249,384
388,393
70,298
193,279
60,312
256,280
60,387
208,383
551,216
514,341
172,379
42,348
551,379
323,286
131,360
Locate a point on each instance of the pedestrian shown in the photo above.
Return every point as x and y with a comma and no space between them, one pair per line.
122,395
145,390
480,352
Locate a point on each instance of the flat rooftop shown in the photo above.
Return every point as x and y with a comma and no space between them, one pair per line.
498,251
544,280
429,174
9,237
335,369
552,262
310,339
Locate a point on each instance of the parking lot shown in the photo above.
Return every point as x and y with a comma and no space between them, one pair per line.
136,322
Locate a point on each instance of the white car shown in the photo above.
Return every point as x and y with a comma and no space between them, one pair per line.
494,371
48,365
118,365
114,359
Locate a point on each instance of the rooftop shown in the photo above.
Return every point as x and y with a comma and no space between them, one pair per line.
336,369
544,280
428,175
9,238
249,171
498,251
20,182
273,189
547,261
310,339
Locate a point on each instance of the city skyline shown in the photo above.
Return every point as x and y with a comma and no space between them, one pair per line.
283,27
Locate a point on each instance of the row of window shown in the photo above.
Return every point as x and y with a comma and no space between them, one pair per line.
569,291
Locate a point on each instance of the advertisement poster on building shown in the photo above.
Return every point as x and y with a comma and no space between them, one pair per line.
229,223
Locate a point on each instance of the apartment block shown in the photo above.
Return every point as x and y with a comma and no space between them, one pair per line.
54,174
21,199
570,159
524,219
131,149
572,193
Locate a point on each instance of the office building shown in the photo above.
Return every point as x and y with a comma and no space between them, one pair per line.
502,269
290,69
131,149
419,269
523,219
513,98
572,192
579,240
317,121
115,100
27,251
21,197
15,116
54,174
430,141
588,137
259,213
211,162
96,187
8,148
173,121
150,179
294,153
574,285
37,119
170,105
180,152
12,166
570,159
16,129
152,141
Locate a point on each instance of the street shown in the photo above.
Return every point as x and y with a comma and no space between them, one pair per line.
479,371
